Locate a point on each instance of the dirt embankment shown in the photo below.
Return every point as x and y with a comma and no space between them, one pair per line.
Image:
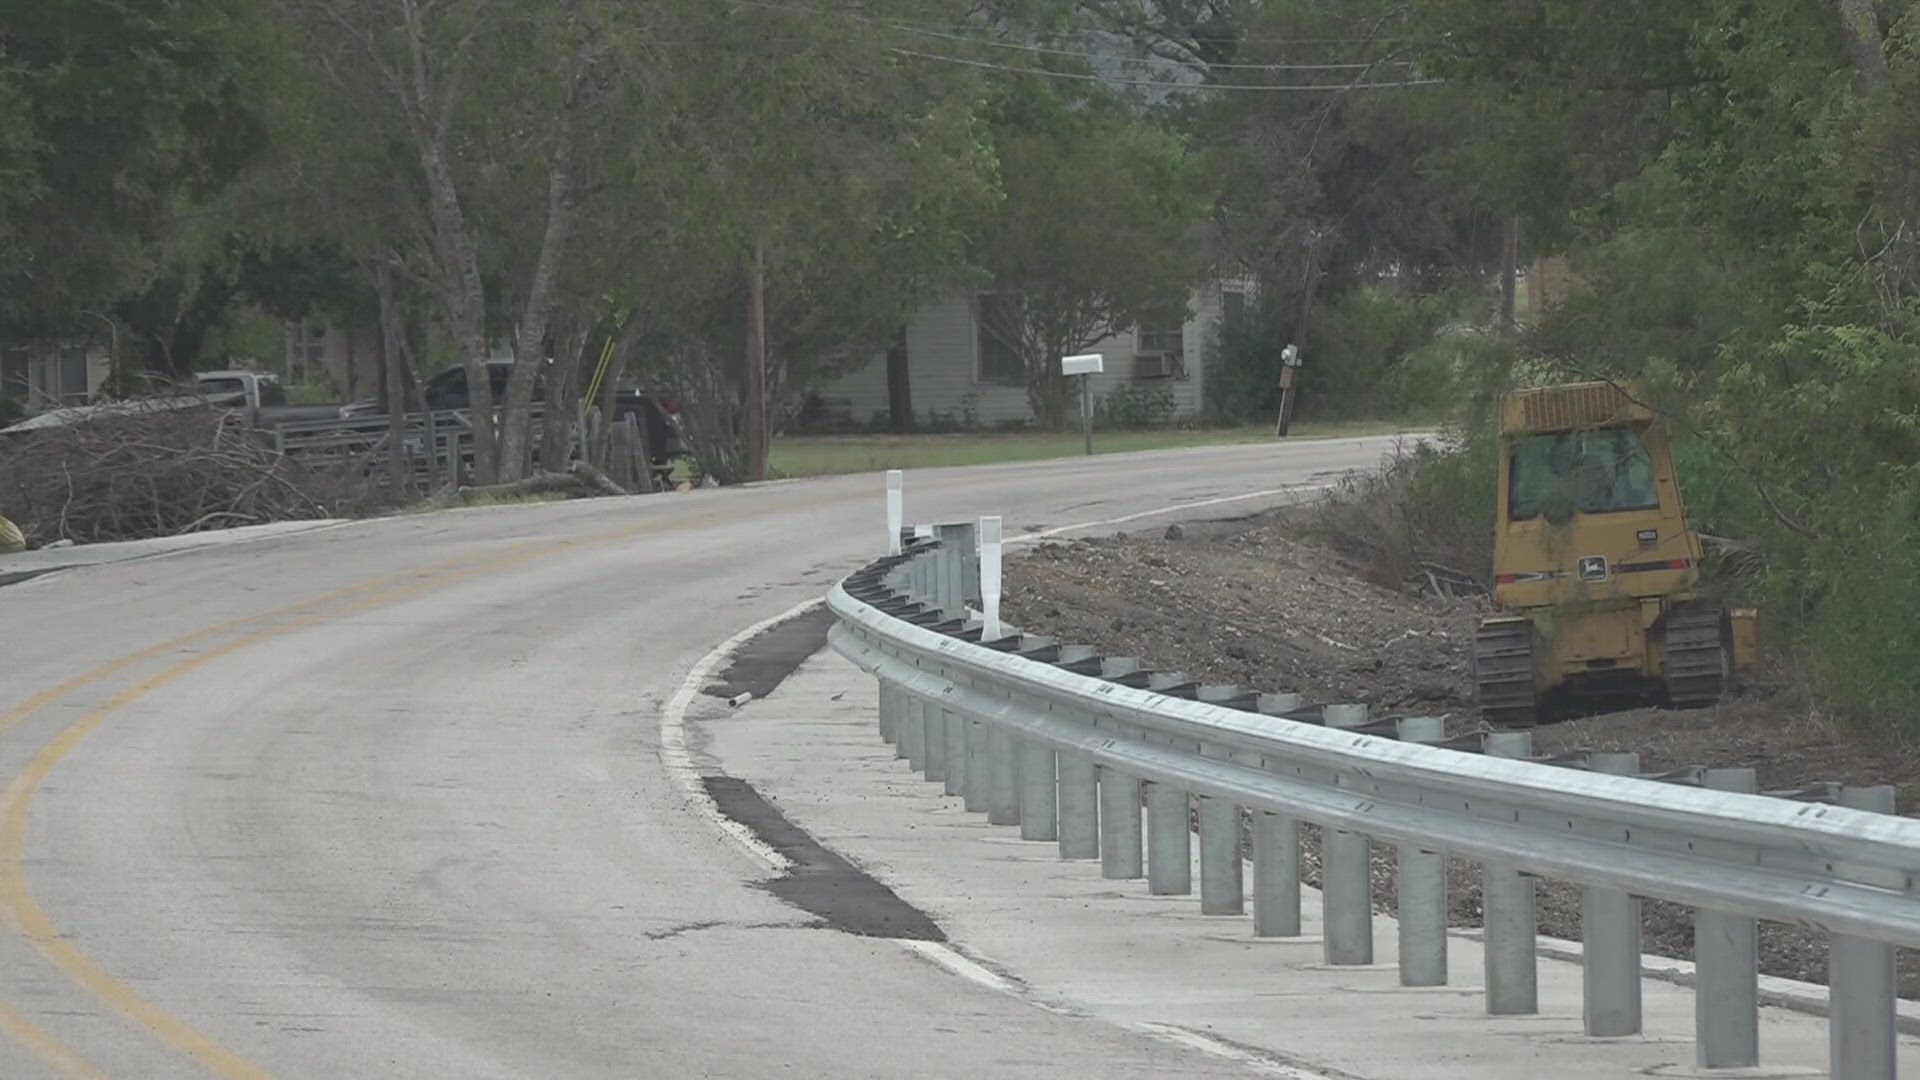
1255,604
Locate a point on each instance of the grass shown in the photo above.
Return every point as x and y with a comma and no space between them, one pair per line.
428,506
829,455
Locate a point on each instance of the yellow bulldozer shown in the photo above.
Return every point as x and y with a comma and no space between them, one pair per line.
1596,570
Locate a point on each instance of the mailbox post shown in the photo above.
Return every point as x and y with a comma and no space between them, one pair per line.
1085,366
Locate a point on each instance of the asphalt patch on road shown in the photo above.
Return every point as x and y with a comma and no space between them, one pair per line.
761,665
14,577
820,882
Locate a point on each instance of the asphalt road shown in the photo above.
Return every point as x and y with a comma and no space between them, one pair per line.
386,799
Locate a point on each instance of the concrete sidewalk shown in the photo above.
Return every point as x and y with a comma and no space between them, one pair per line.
1067,939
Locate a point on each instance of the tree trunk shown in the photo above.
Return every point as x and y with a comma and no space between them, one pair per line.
1860,32
565,386
758,441
1047,390
456,248
395,392
899,387
1509,269
530,345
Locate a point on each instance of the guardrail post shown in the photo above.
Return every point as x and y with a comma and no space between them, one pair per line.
934,719
1276,875
1119,825
1610,936
1860,983
957,545
979,780
889,707
1726,978
1422,888
910,732
1346,875
1079,808
954,726
1222,892
1169,842
1508,916
895,509
920,578
1003,789
1039,808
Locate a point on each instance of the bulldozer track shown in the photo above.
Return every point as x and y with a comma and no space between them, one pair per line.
1696,655
1503,673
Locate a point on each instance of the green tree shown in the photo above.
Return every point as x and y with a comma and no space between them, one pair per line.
1101,225
810,191
118,122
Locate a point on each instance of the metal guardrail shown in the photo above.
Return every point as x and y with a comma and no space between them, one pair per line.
362,442
1065,742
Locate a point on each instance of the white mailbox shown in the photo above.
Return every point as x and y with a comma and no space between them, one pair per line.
1089,364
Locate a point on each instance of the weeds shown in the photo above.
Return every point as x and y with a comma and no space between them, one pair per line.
1429,510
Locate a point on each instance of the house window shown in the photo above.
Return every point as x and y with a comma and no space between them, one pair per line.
1233,311
1000,362
1162,334
15,381
313,350
73,375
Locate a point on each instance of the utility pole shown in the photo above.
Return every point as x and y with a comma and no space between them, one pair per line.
758,442
1289,371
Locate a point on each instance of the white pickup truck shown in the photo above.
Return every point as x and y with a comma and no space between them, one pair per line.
258,392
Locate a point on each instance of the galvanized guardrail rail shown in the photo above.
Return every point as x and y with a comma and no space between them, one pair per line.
441,439
1064,742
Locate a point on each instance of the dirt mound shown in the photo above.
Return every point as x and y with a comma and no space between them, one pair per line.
1257,604
1256,607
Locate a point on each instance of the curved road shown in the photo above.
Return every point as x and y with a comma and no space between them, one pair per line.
386,799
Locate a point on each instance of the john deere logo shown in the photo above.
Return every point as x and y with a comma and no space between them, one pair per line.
1593,568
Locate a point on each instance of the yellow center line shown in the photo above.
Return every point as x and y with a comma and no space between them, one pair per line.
16,806
17,802
51,1050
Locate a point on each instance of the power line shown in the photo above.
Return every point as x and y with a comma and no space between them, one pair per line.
1163,84
1082,55
927,31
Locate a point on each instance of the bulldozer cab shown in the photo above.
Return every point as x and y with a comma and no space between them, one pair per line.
1590,507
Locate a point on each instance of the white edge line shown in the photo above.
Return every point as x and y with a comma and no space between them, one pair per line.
673,738
952,960
1292,489
1213,1047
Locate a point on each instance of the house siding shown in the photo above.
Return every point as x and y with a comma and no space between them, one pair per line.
943,366
41,377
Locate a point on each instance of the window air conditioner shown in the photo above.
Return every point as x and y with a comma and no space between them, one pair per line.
1154,365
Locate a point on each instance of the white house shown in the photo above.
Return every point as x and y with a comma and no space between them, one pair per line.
958,370
49,376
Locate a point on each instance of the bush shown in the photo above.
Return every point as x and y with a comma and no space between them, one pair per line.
1429,505
1135,406
1377,351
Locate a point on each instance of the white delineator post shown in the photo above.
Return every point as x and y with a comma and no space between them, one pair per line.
896,511
990,546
